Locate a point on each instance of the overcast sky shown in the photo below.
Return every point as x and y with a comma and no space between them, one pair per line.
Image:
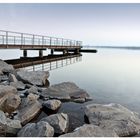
94,24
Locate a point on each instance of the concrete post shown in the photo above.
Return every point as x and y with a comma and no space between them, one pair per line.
40,53
52,51
24,53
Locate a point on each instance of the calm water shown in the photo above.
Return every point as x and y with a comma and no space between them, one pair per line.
111,75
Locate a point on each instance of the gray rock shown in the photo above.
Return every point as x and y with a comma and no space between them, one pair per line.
89,130
28,110
60,122
8,126
1,73
4,67
12,103
13,126
65,91
5,93
114,117
33,89
18,85
32,97
40,129
34,77
52,104
12,78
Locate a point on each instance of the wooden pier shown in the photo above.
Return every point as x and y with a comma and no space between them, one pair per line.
26,41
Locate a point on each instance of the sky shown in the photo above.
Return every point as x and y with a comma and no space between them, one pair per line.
95,24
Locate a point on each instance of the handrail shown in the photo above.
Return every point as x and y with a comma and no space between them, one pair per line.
17,38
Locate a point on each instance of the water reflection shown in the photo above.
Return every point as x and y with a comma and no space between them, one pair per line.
45,63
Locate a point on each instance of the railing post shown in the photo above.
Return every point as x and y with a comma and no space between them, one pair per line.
3,39
42,40
7,39
21,38
50,41
33,40
62,41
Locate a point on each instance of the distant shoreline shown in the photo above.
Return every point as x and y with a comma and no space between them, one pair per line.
113,47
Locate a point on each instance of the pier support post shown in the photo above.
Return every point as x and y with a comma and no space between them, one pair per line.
24,53
40,53
52,51
65,52
77,51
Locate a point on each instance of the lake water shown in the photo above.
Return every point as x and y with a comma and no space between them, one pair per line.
109,76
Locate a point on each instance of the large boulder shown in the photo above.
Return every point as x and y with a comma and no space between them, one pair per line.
4,67
6,94
40,129
60,122
52,105
8,127
33,77
89,130
28,110
65,91
113,117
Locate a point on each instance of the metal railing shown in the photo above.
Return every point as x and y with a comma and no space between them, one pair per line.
17,38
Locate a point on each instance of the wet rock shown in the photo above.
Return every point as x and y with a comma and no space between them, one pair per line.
52,104
4,67
12,78
12,103
113,117
33,89
34,77
28,110
75,112
65,92
18,85
59,122
8,126
80,100
5,93
40,129
89,130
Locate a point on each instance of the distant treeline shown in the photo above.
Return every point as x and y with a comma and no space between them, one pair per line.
114,47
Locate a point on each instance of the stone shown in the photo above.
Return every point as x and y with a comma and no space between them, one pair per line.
60,122
1,73
13,126
12,78
89,130
12,103
113,117
8,126
28,110
33,77
33,89
66,91
80,100
18,85
5,93
52,104
40,129
4,67
32,97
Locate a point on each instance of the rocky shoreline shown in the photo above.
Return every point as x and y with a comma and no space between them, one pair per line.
30,107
